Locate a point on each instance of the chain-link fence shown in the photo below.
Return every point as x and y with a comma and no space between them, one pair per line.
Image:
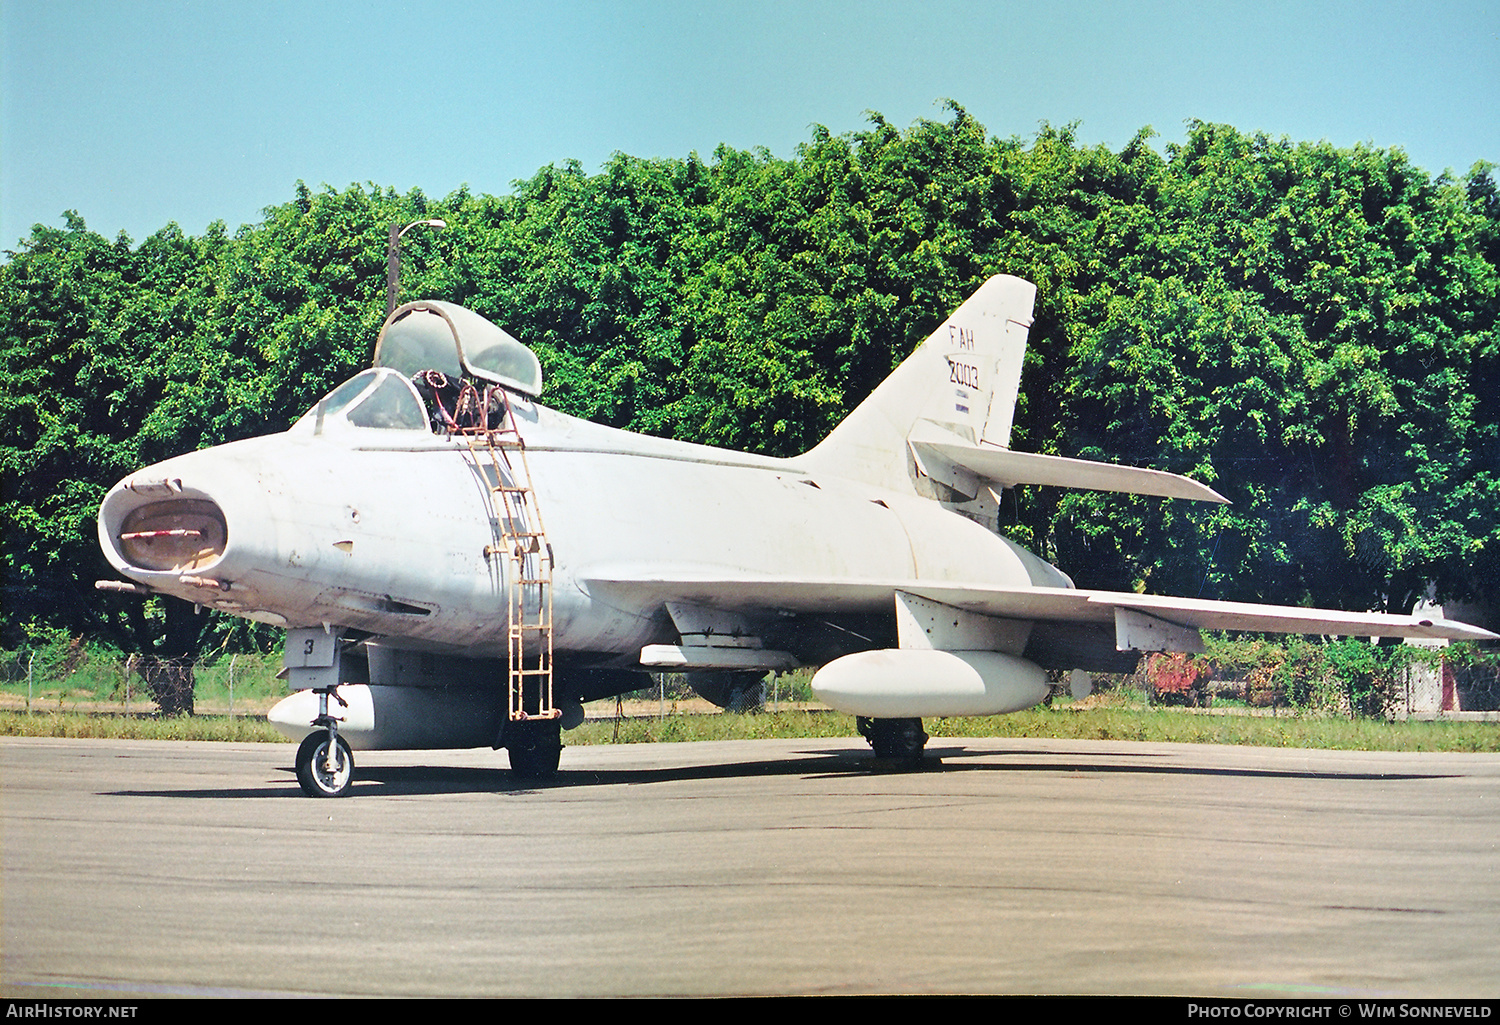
1468,685
73,677
1350,679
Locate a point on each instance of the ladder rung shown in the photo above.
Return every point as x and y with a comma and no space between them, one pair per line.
529,614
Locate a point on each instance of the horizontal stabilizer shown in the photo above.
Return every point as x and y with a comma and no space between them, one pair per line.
934,447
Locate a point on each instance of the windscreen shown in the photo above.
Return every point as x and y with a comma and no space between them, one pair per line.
379,398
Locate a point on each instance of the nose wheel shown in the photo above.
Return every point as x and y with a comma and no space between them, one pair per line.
319,774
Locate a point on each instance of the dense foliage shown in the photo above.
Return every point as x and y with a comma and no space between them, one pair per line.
1310,330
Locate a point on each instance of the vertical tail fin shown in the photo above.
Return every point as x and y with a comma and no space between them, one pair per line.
964,379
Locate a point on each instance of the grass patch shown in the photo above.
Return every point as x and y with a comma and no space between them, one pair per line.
1072,723
85,725
1067,723
1183,727
66,676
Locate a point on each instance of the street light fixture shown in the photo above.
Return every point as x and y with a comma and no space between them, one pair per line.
393,259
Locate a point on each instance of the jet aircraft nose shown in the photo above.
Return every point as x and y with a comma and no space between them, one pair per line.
189,527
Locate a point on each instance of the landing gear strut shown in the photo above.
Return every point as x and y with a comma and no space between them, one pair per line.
535,747
899,741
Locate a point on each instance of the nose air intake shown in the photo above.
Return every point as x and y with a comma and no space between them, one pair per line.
177,535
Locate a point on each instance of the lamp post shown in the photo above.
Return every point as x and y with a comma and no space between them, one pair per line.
393,259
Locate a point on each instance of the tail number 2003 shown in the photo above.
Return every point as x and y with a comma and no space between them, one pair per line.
963,373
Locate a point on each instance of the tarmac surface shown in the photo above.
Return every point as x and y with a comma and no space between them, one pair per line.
158,868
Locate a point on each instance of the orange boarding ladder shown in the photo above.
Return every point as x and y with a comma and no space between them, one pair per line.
523,540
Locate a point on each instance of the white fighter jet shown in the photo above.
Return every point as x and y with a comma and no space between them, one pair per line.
456,565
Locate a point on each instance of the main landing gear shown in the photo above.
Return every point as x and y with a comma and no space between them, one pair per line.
897,742
535,746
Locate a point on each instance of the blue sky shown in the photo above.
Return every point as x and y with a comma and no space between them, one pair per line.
140,113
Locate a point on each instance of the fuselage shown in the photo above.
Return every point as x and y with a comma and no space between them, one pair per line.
386,529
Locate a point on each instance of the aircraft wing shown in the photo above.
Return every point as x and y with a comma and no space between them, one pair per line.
710,586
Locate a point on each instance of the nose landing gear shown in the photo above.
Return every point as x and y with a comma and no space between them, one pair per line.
324,769
325,765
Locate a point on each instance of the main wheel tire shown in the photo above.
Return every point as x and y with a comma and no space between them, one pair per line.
535,747
312,770
894,740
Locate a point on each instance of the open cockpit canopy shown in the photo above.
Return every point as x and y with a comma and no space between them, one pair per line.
433,335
